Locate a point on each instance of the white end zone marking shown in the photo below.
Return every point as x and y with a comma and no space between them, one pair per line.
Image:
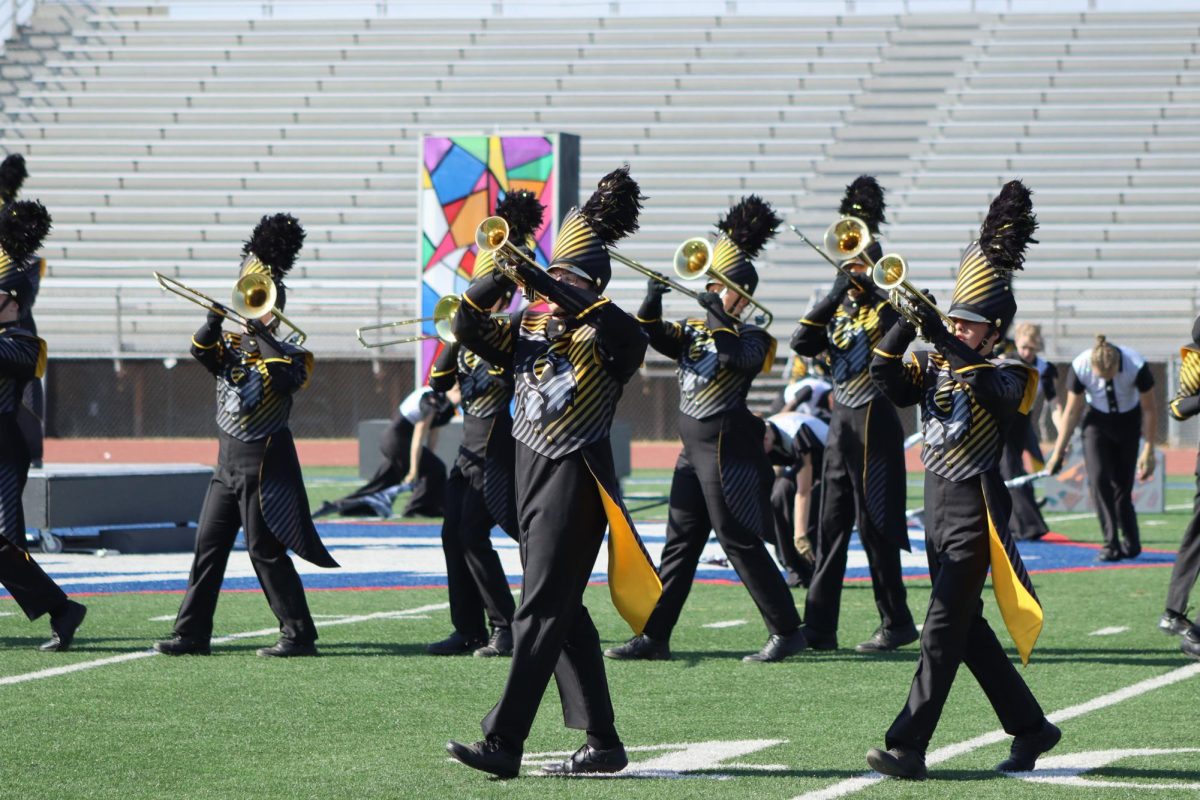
67,669
694,760
852,785
729,623
1067,770
1110,631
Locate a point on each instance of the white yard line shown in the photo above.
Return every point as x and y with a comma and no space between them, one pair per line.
1110,631
1053,517
67,669
729,623
852,785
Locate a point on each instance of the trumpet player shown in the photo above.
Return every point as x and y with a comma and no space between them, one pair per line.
480,493
863,477
257,486
722,479
570,365
23,226
968,399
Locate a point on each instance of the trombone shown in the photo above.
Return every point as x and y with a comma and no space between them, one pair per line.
693,259
254,296
849,237
443,321
890,273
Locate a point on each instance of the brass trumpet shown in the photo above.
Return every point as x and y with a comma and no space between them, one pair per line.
652,275
693,260
890,273
254,296
492,237
443,321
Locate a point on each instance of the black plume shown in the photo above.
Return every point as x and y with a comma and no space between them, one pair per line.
523,213
276,242
864,199
23,226
12,176
1008,228
750,224
612,210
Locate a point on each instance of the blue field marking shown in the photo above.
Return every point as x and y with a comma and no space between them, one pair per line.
409,555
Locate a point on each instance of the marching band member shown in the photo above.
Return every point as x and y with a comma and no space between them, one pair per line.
1116,385
257,485
968,399
722,477
479,494
795,444
1187,562
570,365
864,477
1027,521
23,226
409,461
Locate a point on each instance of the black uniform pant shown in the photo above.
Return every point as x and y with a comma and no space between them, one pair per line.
1187,562
955,632
1110,449
699,505
782,535
474,576
233,502
562,524
35,591
844,500
1026,521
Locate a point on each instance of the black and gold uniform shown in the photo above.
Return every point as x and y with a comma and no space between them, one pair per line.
1027,521
23,225
864,479
1187,561
480,493
257,485
569,367
968,401
722,480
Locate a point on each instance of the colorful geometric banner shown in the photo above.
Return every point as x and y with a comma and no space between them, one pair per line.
462,179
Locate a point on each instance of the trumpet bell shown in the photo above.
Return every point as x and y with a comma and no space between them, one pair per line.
890,271
693,258
254,295
847,237
491,234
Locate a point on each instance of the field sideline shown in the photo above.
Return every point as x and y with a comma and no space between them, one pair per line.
368,718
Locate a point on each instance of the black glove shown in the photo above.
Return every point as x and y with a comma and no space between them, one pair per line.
215,316
933,329
656,287
711,302
841,285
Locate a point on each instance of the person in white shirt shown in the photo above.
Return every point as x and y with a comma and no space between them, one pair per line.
1117,388
795,445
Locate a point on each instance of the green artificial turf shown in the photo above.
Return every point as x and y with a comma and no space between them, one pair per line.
370,716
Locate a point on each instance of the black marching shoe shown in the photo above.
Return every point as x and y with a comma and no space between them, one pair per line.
1189,643
885,639
1130,549
1024,751
1174,624
898,762
454,645
589,760
183,646
641,648
779,647
1108,554
501,644
820,641
63,626
286,648
489,756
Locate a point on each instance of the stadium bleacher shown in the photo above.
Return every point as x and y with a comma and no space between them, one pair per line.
156,142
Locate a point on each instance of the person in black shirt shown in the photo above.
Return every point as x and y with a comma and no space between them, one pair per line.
570,365
257,486
1187,561
23,226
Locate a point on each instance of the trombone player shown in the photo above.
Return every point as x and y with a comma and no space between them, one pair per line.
722,480
480,493
863,476
257,484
